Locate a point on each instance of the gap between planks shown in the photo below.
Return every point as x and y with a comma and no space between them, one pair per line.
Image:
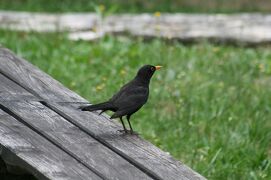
72,121
29,153
41,84
8,111
141,167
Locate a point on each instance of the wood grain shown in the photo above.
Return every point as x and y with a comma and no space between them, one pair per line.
37,155
10,91
75,142
140,153
34,80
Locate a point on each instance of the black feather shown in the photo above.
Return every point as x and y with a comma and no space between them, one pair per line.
101,106
130,98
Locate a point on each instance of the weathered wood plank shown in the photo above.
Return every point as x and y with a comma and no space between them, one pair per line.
140,153
74,141
37,155
33,79
250,28
10,91
45,22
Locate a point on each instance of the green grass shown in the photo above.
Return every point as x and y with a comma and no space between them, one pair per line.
135,6
210,106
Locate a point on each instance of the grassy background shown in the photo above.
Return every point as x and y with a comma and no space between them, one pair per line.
135,6
209,106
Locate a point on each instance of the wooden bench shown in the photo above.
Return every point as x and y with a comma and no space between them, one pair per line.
43,132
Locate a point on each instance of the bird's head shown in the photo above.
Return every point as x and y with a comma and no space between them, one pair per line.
145,73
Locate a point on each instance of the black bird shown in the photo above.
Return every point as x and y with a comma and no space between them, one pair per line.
130,98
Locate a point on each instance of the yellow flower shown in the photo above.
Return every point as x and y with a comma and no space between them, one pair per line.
157,14
100,87
261,67
123,72
101,7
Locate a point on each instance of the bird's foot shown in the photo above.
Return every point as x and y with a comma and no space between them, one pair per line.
134,133
123,131
128,132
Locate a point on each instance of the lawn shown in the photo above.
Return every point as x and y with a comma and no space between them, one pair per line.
209,106
135,6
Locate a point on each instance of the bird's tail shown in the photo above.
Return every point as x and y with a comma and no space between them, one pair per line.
101,106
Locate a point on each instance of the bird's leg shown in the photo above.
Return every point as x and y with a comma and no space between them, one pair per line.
124,128
131,129
128,119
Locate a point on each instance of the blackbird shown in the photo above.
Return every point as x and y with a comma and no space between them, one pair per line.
130,98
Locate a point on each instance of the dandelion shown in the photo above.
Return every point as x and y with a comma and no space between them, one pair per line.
100,87
123,72
101,7
157,14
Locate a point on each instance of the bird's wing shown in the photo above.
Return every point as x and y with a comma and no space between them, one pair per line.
131,97
130,101
121,91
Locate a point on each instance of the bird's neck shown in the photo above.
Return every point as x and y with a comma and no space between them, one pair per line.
142,81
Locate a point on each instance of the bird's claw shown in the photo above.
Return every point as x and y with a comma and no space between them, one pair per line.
128,131
123,130
134,133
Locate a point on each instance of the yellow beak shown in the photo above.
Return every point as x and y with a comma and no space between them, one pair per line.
158,67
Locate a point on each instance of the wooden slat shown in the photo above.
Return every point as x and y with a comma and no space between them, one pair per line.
137,151
36,154
34,79
74,141
140,152
10,91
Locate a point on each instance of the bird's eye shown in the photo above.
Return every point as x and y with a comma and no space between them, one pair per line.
152,69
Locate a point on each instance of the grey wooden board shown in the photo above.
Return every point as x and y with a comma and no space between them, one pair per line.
10,91
70,138
33,78
141,153
44,160
134,148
